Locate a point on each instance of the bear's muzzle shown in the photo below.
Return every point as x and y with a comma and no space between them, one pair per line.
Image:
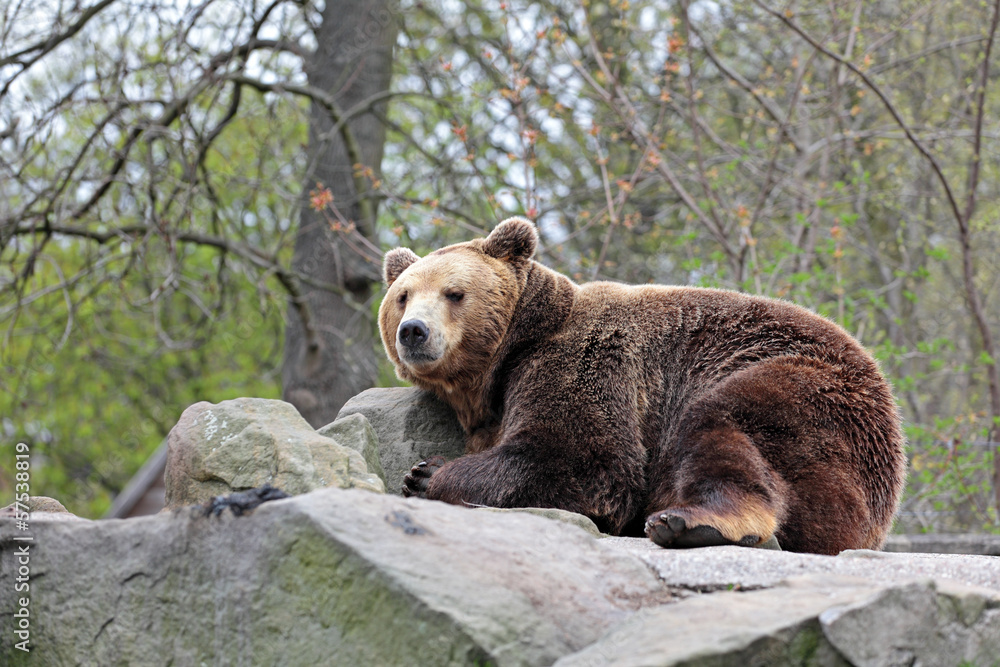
416,345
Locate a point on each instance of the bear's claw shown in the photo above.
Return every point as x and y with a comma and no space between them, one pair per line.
416,481
671,531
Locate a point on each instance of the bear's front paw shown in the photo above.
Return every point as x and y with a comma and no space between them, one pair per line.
415,483
671,529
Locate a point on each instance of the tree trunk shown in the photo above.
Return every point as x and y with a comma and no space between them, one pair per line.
332,356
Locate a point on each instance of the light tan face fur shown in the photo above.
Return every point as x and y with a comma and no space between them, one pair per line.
464,298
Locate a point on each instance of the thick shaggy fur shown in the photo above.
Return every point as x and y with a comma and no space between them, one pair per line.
704,416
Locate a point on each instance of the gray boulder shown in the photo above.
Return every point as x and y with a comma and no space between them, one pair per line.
923,623
37,504
411,425
331,577
810,620
347,577
247,442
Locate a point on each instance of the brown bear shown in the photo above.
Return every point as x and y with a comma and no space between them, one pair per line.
703,416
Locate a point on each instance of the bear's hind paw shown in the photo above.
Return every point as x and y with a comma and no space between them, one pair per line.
670,530
416,481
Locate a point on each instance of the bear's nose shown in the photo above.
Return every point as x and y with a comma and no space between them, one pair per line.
413,333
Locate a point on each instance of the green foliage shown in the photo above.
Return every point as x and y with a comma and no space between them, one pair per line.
950,468
104,344
94,390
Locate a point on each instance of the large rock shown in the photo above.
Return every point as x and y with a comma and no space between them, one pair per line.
811,620
348,577
411,424
923,623
247,442
332,577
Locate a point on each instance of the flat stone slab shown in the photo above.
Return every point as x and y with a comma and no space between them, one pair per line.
943,543
811,620
721,568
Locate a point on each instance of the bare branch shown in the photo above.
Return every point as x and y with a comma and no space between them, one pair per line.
629,115
975,303
711,196
290,280
767,105
883,97
47,45
339,118
929,51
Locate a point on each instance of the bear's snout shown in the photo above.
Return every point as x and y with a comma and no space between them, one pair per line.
413,333
416,346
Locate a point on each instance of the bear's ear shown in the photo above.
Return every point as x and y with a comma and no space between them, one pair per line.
395,262
512,238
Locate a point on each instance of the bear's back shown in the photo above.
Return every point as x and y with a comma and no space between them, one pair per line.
708,330
678,343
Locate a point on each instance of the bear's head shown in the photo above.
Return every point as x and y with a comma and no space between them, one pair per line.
445,315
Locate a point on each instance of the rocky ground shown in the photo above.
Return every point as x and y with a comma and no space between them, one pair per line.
351,576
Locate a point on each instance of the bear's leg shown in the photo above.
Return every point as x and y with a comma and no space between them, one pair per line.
722,491
520,473
789,445
500,477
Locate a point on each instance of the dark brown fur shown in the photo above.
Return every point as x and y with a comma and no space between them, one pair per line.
704,408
